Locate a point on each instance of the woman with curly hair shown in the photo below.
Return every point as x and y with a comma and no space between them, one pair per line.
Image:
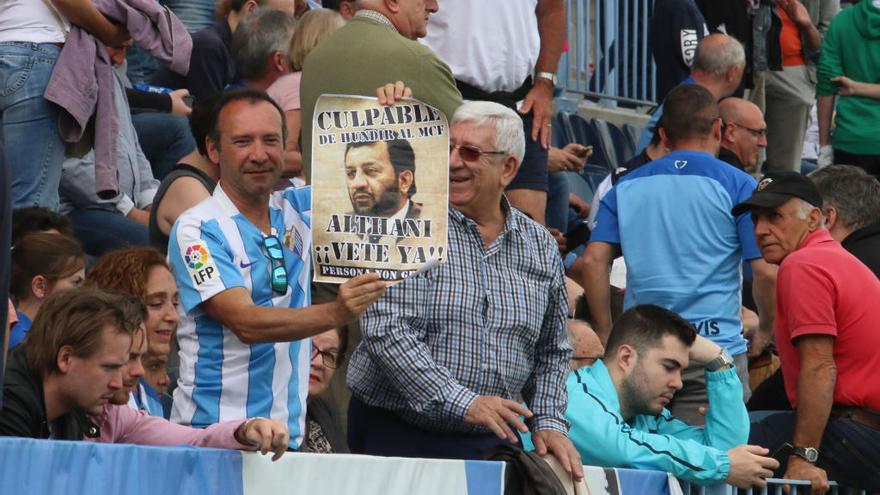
144,273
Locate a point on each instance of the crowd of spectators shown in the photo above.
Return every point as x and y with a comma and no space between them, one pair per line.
159,263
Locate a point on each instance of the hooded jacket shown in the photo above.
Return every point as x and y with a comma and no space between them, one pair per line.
852,48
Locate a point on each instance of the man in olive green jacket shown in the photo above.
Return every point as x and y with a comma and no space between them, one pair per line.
376,47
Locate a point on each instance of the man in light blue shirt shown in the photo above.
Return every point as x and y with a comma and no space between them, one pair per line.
617,414
683,249
241,260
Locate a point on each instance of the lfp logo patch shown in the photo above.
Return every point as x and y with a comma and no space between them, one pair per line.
197,256
198,263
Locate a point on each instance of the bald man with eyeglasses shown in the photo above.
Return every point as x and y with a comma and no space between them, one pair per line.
743,134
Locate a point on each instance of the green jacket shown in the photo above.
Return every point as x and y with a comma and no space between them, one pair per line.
852,48
364,55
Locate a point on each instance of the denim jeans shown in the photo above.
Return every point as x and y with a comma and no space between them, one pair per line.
100,231
195,15
848,451
29,123
164,139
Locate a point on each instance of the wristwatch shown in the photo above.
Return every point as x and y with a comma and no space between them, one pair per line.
547,75
808,454
721,361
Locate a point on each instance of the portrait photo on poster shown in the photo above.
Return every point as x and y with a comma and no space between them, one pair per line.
380,182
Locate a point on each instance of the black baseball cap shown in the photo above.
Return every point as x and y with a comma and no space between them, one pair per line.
777,188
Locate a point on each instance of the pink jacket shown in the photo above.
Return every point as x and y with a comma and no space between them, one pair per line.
82,81
122,424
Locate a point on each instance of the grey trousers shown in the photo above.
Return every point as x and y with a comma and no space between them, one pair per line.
687,401
788,97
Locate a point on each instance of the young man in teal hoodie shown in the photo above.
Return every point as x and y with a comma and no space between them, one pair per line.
849,62
617,414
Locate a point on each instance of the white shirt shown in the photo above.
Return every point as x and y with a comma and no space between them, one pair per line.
490,44
32,21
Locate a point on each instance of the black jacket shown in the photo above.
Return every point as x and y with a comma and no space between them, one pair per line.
324,414
24,409
526,473
725,155
864,244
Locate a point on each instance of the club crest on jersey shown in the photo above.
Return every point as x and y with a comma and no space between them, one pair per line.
293,241
199,263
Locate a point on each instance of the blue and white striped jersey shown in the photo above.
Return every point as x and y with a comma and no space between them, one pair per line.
212,248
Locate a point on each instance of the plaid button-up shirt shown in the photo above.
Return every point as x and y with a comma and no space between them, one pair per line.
489,321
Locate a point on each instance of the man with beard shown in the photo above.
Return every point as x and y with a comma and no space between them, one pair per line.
381,179
617,414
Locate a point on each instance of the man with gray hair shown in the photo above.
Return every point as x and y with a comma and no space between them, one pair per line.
826,333
211,67
448,355
851,200
259,47
718,66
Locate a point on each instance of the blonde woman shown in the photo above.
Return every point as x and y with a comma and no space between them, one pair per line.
314,27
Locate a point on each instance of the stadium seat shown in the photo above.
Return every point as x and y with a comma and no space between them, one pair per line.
562,133
616,143
633,132
599,165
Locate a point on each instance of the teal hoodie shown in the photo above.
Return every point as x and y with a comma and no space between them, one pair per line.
852,48
662,442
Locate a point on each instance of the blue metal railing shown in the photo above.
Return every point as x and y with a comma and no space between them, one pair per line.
774,487
608,56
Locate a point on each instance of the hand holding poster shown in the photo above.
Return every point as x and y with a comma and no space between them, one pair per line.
380,180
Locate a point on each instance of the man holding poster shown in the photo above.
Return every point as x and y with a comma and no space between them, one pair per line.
448,352
241,262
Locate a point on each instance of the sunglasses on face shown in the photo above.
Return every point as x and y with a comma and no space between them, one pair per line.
471,153
276,255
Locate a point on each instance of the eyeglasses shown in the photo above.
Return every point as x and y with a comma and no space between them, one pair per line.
276,256
470,153
755,132
330,358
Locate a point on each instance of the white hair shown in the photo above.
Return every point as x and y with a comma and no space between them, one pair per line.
717,53
509,135
803,210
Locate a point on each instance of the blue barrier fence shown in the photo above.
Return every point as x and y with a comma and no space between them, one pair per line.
46,467
608,56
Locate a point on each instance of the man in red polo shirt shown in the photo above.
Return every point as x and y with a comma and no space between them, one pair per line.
828,336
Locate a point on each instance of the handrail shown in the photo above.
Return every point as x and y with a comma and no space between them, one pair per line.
608,57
